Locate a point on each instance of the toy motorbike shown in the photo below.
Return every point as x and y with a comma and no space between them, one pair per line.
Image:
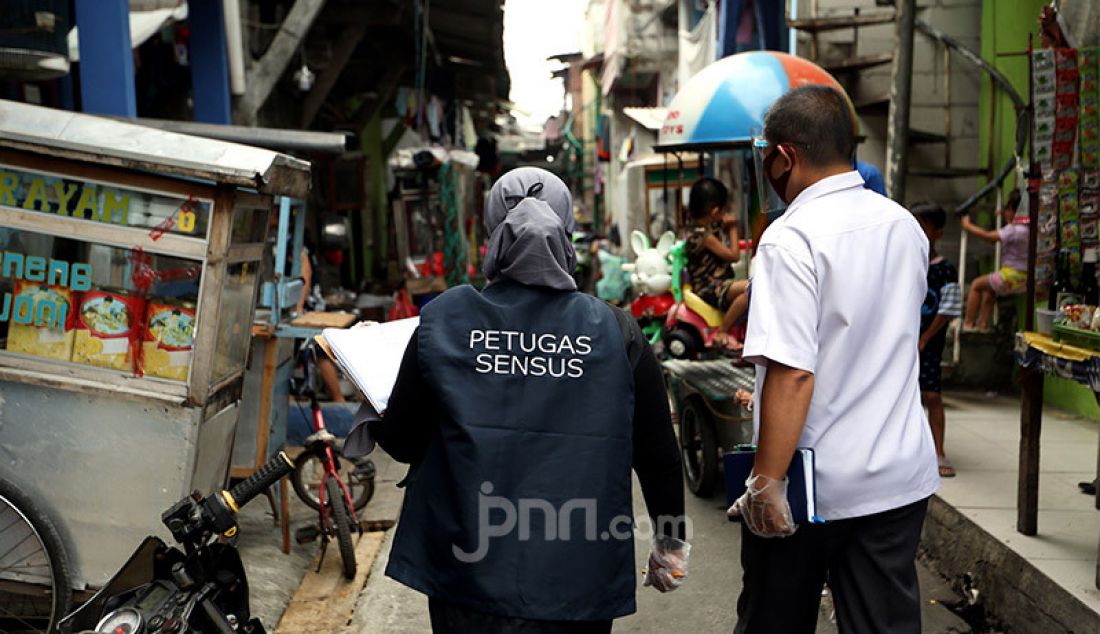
691,323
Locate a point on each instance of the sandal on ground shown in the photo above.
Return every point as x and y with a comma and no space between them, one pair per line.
946,470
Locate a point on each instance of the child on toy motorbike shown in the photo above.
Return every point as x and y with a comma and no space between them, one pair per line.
708,255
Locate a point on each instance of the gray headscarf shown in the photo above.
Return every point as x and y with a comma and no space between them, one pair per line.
529,217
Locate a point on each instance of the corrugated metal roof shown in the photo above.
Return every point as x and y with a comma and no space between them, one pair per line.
107,141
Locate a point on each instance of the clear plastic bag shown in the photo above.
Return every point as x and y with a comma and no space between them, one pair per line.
668,562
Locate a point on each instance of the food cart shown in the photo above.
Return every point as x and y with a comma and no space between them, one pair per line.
129,278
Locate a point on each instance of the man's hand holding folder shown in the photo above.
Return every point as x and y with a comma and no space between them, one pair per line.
784,402
764,507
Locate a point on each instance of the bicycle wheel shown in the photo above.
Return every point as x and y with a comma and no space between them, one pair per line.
35,583
341,520
307,481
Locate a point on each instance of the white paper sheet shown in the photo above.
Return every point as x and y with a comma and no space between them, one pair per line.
371,356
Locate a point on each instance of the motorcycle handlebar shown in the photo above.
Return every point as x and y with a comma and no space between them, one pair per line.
267,475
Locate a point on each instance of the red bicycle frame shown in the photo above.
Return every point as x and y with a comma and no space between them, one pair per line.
328,458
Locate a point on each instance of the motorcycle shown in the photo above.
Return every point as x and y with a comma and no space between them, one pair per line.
200,589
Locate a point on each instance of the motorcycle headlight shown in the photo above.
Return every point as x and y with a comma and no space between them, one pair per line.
121,621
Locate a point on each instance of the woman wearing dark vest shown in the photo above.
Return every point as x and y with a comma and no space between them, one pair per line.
522,410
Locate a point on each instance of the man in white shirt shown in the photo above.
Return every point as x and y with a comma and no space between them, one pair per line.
833,330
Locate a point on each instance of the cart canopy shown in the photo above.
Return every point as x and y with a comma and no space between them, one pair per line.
93,139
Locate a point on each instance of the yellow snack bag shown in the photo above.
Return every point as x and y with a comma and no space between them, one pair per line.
51,321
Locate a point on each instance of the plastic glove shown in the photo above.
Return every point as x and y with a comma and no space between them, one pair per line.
668,559
764,507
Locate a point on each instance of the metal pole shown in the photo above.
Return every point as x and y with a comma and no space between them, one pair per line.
792,36
664,188
997,246
897,147
1033,179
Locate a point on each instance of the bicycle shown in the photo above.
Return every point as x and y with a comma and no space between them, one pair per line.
336,507
35,581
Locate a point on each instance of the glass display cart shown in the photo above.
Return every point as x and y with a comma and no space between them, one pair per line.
128,284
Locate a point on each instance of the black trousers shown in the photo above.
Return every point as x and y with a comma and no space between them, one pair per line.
449,618
868,562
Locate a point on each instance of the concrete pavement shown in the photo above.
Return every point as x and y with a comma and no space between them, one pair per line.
706,603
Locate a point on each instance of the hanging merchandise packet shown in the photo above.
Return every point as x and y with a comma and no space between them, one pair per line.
801,494
370,355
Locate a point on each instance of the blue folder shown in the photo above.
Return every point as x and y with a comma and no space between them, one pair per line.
801,489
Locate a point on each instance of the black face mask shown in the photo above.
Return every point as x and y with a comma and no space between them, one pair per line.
778,184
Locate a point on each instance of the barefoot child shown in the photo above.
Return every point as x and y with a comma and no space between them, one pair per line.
1011,278
941,305
708,255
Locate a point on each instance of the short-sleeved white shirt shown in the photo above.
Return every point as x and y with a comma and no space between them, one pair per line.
838,286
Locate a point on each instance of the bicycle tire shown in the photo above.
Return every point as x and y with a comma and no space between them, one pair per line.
362,489
16,508
341,520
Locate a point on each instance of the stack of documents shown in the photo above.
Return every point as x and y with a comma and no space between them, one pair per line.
370,355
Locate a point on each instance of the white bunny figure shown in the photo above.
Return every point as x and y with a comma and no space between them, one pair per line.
652,272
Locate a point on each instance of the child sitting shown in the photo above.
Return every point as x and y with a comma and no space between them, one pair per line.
708,256
1011,278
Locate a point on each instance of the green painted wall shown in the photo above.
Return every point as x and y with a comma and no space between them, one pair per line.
1070,396
1005,29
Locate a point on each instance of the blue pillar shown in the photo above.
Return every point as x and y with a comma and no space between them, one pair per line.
106,57
209,61
66,98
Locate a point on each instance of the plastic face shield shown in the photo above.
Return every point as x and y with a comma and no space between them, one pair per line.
771,205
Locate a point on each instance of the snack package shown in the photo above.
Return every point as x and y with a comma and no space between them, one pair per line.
1078,315
1071,234
1090,234
1069,208
1045,107
53,321
169,337
1044,271
107,330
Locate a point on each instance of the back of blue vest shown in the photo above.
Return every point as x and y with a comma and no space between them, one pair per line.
522,503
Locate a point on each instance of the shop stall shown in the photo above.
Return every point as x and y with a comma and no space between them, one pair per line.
1064,215
129,283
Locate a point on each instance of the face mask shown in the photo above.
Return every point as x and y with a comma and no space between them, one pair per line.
772,204
779,185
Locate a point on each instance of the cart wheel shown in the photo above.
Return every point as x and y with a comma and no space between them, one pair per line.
700,450
358,475
682,343
35,583
341,522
